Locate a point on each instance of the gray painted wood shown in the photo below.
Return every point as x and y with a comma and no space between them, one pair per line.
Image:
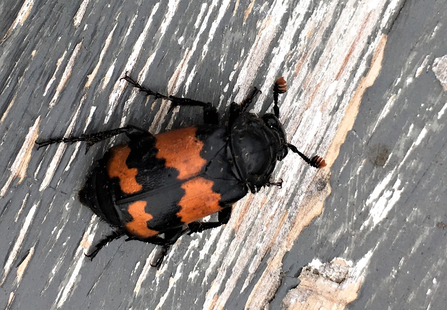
61,65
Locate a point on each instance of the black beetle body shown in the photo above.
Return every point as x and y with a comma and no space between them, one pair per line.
155,188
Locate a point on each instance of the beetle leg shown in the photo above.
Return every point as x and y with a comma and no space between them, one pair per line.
104,241
130,130
171,236
159,257
223,218
198,227
275,183
249,99
237,109
210,114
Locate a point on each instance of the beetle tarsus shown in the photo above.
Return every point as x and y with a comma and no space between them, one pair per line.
275,183
159,257
198,227
317,162
103,242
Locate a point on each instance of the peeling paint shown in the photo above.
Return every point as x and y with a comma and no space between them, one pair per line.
136,51
20,164
18,243
20,19
440,70
328,286
92,75
65,75
80,13
51,169
354,104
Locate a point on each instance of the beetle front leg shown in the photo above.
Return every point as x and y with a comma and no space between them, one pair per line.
210,114
279,88
237,109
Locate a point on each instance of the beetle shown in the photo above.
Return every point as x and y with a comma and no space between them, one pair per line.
156,188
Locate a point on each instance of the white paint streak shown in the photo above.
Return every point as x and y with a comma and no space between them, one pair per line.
20,164
200,15
136,50
90,117
23,265
386,109
191,51
359,270
53,78
143,275
66,75
91,76
80,13
21,17
51,169
177,275
382,201
285,45
72,275
442,111
108,75
422,67
418,140
78,145
259,49
421,136
210,35
22,207
18,243
10,105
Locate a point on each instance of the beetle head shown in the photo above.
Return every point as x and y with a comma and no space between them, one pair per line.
256,144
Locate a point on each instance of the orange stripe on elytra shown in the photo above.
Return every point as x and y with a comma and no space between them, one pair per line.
138,225
117,167
199,200
181,150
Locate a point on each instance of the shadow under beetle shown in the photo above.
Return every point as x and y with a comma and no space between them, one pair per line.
156,188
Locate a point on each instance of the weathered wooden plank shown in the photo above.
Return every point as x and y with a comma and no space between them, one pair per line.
387,210
60,72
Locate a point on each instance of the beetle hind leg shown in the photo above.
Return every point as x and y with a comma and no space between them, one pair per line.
210,114
104,241
223,218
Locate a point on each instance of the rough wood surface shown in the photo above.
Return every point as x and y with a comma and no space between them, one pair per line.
362,93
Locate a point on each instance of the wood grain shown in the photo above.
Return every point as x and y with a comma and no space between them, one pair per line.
361,94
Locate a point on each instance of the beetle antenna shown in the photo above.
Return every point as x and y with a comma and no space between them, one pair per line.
316,161
279,88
